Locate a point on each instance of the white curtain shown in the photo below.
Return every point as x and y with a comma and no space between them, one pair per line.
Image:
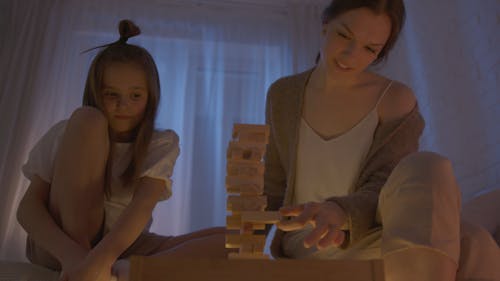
216,59
449,55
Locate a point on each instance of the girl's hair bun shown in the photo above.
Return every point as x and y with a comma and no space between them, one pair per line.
127,29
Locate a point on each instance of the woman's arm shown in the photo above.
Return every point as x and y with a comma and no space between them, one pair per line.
35,218
274,173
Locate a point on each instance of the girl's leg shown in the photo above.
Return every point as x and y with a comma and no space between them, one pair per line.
77,193
420,213
205,243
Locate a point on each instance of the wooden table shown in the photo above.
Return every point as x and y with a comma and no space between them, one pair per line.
169,269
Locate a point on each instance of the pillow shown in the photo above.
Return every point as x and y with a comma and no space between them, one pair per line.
484,210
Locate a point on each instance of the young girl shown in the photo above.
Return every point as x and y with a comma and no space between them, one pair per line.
96,177
342,161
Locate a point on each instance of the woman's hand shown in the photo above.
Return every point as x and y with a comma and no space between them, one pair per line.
326,218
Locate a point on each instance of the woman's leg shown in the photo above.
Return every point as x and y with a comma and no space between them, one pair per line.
420,213
77,193
479,254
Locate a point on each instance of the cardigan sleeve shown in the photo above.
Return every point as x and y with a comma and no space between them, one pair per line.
274,175
392,142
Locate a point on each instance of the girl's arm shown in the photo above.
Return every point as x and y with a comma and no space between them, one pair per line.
34,217
131,222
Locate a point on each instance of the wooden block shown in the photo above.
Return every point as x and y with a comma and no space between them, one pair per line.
245,168
252,137
258,251
245,189
249,227
246,203
246,228
233,241
236,240
250,133
246,248
243,127
246,151
245,185
258,248
258,243
247,256
234,222
159,268
260,217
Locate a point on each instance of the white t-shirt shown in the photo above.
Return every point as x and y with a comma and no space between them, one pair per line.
159,163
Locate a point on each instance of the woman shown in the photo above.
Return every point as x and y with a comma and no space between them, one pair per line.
342,158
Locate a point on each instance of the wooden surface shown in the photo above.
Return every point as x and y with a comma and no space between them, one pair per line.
164,268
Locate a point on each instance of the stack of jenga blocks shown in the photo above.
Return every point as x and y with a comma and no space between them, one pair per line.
245,186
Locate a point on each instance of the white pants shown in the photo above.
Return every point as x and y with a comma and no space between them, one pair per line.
419,207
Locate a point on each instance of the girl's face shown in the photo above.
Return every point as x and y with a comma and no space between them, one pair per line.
352,41
124,95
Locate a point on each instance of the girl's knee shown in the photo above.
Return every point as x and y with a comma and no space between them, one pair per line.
89,120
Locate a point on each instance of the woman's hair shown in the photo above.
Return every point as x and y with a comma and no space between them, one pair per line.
394,9
122,52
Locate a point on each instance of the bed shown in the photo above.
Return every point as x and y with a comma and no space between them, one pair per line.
23,271
483,210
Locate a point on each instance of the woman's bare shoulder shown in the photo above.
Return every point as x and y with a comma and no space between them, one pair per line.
397,102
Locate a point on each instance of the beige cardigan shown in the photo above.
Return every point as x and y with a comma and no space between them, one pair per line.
392,141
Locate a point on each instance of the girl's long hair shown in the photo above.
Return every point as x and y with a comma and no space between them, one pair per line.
122,52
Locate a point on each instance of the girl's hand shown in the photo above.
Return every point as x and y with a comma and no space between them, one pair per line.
326,218
71,261
88,270
121,269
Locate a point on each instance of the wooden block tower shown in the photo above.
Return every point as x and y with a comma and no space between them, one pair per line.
245,186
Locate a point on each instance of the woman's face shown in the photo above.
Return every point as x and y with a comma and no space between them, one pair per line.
352,41
124,96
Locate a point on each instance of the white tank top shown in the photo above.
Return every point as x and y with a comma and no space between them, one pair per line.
327,168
